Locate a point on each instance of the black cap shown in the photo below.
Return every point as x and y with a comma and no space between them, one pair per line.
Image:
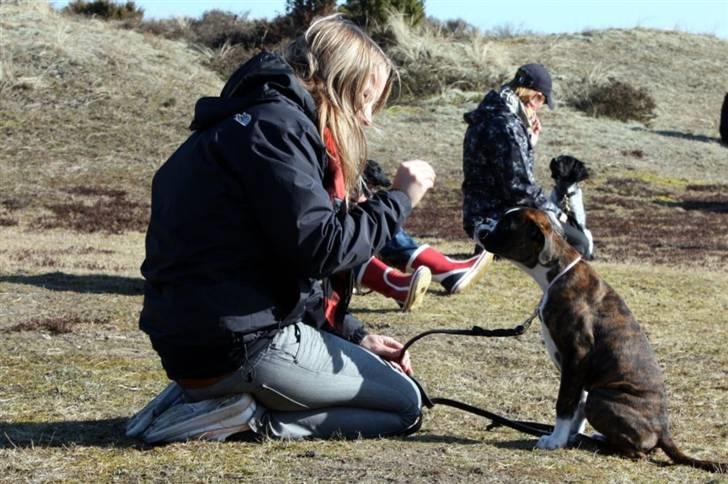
536,77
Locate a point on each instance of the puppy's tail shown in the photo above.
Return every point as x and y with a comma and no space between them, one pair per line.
677,456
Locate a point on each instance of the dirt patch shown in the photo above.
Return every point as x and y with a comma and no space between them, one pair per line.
630,220
439,215
61,257
8,222
631,187
54,326
639,154
14,203
96,209
675,227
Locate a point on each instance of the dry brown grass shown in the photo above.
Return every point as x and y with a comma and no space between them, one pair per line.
68,394
431,66
86,117
89,104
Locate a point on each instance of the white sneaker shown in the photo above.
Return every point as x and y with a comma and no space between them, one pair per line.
214,419
144,418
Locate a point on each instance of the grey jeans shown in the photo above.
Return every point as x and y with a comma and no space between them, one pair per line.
310,383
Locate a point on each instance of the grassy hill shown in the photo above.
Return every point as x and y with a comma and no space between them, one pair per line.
88,111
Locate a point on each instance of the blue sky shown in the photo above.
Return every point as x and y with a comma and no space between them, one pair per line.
544,16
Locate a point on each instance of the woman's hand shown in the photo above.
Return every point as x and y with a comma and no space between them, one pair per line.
414,177
388,349
535,129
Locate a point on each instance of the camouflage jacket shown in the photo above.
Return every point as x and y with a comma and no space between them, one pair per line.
498,162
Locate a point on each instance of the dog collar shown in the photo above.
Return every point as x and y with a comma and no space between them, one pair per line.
544,298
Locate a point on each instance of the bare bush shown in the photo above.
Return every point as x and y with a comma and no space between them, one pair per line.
614,99
226,39
302,12
375,15
106,10
509,31
170,28
216,28
431,63
228,58
455,28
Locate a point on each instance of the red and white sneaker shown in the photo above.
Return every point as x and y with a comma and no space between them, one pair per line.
407,289
454,275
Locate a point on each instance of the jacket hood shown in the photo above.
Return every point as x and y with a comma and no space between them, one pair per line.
491,105
265,76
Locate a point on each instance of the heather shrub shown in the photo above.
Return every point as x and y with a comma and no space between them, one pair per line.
374,14
169,28
614,99
226,38
457,29
216,28
302,12
228,58
430,63
106,10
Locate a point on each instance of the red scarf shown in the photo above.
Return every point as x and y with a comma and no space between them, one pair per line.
334,184
334,172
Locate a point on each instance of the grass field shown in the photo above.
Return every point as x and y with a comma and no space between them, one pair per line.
87,113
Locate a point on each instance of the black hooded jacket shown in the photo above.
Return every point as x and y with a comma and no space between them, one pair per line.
242,228
498,163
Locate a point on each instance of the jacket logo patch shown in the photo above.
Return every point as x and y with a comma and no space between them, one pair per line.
243,118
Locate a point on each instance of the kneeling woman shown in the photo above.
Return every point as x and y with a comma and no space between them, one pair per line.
251,242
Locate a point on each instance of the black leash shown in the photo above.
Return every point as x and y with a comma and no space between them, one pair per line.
478,331
531,428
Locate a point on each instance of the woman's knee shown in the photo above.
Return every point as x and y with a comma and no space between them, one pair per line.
410,409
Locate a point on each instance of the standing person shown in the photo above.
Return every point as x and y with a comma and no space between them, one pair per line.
498,159
250,248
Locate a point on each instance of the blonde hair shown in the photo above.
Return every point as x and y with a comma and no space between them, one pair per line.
525,94
334,59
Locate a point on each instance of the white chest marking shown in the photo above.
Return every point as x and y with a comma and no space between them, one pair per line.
551,349
539,273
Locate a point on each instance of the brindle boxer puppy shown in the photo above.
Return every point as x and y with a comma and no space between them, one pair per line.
595,341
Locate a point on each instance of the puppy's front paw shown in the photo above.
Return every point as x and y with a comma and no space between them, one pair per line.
550,442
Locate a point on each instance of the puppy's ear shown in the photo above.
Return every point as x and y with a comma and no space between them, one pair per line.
544,237
579,171
546,255
555,167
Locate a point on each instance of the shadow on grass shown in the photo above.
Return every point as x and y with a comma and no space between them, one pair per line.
702,205
518,444
440,439
87,283
680,135
592,447
363,310
96,433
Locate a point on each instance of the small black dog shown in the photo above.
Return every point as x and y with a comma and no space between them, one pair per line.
566,171
374,175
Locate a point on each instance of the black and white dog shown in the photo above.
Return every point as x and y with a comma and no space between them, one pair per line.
567,171
609,373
